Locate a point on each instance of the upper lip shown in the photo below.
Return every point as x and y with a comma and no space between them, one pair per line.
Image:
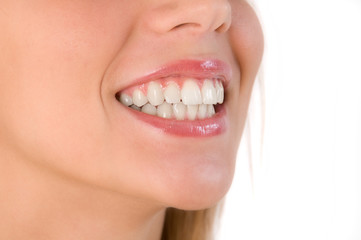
204,69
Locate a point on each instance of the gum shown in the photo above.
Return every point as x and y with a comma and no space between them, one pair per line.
164,82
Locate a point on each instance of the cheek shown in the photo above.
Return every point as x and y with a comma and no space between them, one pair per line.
52,62
246,38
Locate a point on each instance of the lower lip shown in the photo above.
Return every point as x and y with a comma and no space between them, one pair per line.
208,127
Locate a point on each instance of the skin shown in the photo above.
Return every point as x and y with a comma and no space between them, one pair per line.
74,163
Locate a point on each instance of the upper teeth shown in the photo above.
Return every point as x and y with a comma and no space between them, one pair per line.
209,94
169,100
191,95
155,94
172,93
139,99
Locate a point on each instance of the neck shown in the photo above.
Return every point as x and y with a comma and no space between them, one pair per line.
38,205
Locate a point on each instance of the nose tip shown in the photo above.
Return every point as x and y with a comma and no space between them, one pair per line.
197,15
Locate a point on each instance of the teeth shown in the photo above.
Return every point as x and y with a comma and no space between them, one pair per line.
209,93
172,93
135,107
190,102
210,110
179,110
220,92
126,99
155,94
191,95
149,109
164,110
192,111
139,99
202,111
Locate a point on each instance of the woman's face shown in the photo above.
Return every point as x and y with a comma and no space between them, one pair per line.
63,63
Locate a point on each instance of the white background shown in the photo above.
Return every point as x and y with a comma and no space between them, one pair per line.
307,186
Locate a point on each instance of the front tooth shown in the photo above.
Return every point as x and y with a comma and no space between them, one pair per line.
209,93
149,109
154,94
125,99
179,110
220,92
172,93
202,111
164,110
191,95
192,111
139,99
210,110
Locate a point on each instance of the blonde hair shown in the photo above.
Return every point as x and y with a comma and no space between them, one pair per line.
190,225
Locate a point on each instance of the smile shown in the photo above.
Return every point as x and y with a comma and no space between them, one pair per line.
185,98
175,98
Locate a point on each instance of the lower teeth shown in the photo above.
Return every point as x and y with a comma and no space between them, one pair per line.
177,111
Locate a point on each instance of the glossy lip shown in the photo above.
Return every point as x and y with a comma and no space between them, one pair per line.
209,68
207,127
201,69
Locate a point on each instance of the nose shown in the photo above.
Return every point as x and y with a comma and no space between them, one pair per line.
197,16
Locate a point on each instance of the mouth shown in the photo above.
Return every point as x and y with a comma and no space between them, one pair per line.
184,98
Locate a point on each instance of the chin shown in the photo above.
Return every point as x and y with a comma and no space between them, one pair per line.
202,190
195,176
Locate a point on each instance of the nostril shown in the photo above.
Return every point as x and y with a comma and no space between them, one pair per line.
224,19
223,28
179,26
182,25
